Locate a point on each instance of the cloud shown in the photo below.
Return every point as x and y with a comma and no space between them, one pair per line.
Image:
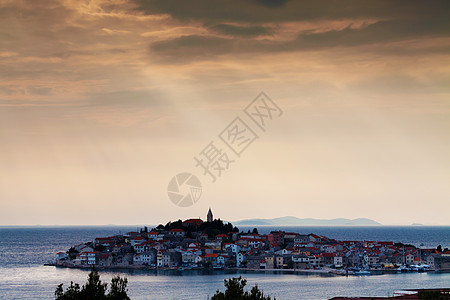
266,11
381,33
191,47
241,31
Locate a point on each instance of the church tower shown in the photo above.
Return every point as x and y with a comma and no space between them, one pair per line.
209,216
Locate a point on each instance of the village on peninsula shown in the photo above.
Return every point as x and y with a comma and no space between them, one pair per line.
195,244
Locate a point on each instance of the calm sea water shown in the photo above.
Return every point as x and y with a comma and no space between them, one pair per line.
23,251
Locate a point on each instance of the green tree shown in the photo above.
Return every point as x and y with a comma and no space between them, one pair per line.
94,289
235,291
118,290
72,292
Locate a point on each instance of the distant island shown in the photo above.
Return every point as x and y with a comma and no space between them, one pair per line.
289,220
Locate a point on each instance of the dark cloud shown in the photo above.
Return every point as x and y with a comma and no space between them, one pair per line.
380,32
264,11
383,31
272,3
192,47
394,21
241,31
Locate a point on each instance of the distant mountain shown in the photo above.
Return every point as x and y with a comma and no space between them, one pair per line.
289,220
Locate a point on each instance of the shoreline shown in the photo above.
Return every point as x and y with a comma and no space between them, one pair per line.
325,272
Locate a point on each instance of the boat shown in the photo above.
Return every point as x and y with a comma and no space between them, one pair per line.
362,272
403,269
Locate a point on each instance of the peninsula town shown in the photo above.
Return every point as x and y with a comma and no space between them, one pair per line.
212,244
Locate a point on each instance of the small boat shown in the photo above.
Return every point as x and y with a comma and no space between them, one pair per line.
362,272
402,269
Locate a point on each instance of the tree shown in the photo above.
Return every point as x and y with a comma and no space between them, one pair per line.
94,289
235,291
439,248
72,292
118,289
72,252
255,231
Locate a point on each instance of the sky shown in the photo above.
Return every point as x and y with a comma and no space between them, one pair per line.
103,102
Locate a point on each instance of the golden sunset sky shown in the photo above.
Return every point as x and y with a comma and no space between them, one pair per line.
103,101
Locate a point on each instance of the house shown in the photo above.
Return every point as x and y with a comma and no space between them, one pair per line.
133,234
177,232
222,237
188,257
86,248
221,259
171,259
105,242
442,263
329,248
430,260
328,258
137,259
92,257
314,238
239,259
61,256
373,259
145,246
231,247
81,259
300,261
211,258
193,222
159,258
153,235
316,260
275,237
338,260
253,262
148,257
121,248
270,261
124,260
136,240
283,252
217,246
203,237
409,259
105,259
198,259
278,261
301,238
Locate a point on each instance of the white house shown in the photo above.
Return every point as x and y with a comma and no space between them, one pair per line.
232,247
92,257
61,255
239,259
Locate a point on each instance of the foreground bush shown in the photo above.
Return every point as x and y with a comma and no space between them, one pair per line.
235,291
94,289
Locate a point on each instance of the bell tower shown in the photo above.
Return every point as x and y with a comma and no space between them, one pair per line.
209,216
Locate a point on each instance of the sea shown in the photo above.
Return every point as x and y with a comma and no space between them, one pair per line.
25,250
